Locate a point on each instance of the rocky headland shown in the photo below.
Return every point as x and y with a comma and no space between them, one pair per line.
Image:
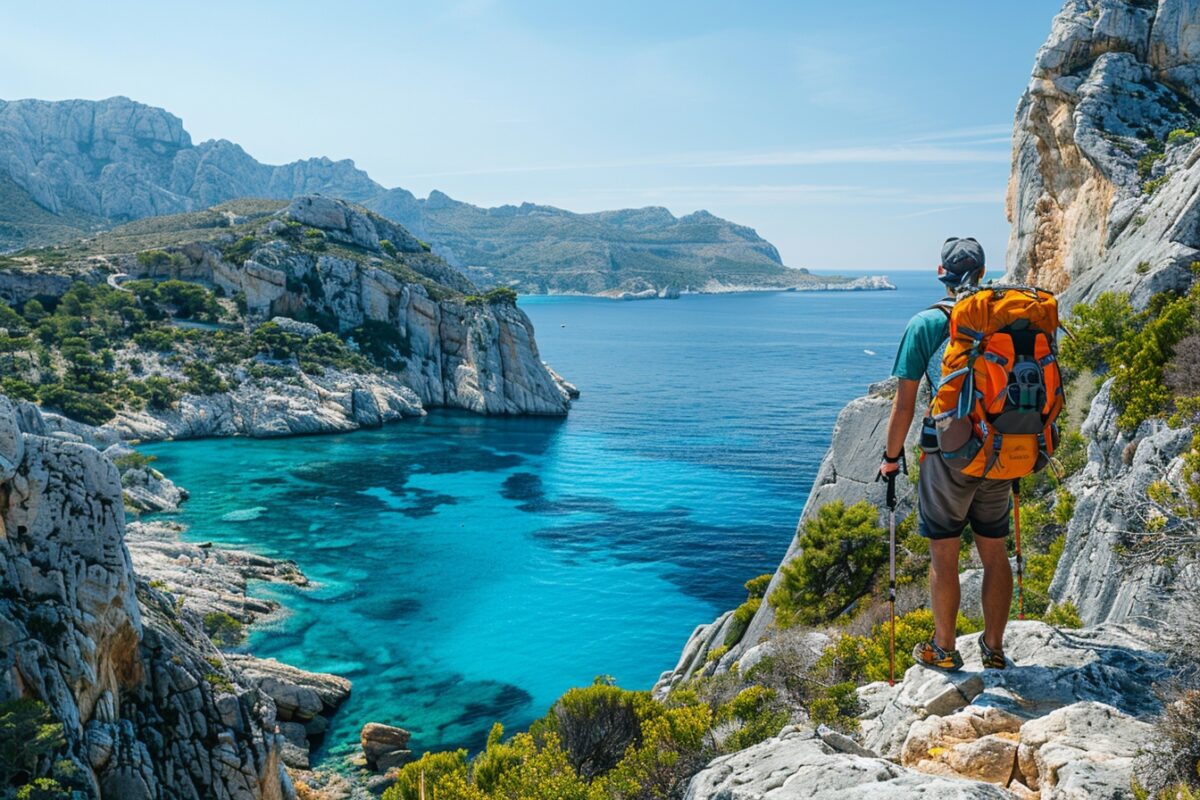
260,289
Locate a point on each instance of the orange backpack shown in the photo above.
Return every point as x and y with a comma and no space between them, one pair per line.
995,408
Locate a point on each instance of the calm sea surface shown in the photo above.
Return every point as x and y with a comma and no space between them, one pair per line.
472,569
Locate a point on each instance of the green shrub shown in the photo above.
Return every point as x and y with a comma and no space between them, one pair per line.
158,339
240,250
159,393
1145,164
44,789
1063,615
328,350
742,615
275,342
134,460
837,706
1142,268
86,408
1153,185
28,733
223,629
433,767
1039,572
841,549
675,746
521,768
758,713
17,389
33,311
203,379
389,248
382,343
597,724
1096,328
757,587
1139,388
501,295
1180,135
716,654
190,300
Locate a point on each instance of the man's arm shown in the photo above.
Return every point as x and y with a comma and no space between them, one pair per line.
903,408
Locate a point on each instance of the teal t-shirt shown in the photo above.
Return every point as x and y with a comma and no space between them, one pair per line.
923,338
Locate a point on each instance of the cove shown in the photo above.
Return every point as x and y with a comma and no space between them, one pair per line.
471,569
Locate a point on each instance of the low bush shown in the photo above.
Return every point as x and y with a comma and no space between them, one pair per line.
759,714
157,392
202,379
427,771
223,629
86,408
841,549
597,724
28,734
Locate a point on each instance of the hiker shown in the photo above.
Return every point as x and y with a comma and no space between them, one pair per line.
947,498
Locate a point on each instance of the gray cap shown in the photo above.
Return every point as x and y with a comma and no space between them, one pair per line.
961,259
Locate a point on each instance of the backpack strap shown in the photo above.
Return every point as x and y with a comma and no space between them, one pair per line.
942,306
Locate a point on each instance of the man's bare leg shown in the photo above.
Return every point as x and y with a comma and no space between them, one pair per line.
997,589
944,590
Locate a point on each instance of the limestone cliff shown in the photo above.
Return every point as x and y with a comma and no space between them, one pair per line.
149,707
1103,188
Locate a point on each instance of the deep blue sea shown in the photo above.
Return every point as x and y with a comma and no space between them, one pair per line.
471,569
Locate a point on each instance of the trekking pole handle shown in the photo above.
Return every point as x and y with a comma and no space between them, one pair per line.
891,476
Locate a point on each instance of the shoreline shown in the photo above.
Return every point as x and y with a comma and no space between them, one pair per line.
862,283
213,581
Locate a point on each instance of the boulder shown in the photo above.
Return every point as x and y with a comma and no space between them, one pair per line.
1081,751
384,746
797,764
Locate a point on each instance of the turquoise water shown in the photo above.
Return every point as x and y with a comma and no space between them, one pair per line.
471,569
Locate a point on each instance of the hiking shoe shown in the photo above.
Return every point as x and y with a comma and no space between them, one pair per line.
928,654
992,659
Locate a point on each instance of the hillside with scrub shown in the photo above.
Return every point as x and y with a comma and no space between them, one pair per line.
260,317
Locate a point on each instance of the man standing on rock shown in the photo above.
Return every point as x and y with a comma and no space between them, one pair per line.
947,499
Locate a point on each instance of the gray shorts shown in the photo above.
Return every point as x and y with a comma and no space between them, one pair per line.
948,500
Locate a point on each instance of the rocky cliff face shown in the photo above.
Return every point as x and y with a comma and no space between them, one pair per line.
1104,176
148,705
120,160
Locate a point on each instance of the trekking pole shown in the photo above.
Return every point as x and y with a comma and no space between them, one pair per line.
891,503
1017,536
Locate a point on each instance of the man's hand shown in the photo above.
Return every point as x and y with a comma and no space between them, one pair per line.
890,466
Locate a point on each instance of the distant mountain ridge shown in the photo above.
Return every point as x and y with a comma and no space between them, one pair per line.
74,167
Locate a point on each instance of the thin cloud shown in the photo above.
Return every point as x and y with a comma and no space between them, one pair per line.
860,155
997,129
896,154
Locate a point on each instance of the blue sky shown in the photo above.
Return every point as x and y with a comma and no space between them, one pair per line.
854,135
